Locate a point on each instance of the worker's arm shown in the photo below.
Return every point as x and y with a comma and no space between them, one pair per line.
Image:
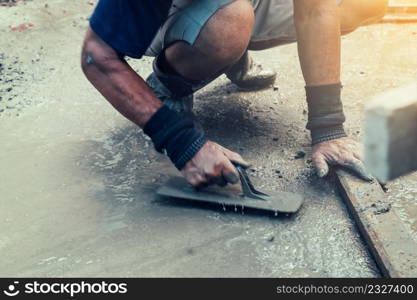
203,161
318,33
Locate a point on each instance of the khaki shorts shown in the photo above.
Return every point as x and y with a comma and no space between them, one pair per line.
274,21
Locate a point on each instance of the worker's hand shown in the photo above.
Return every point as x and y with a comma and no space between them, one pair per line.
344,152
213,165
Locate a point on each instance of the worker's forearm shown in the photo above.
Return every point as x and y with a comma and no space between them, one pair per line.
318,33
122,87
169,131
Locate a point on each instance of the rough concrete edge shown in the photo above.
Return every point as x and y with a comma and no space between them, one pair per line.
383,103
379,113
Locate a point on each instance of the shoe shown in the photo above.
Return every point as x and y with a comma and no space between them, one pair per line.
249,75
182,105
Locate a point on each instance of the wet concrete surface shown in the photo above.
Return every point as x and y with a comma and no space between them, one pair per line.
78,181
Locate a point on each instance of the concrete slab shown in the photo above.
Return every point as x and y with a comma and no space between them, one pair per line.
77,181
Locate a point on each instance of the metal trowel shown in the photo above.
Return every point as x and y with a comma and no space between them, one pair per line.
245,197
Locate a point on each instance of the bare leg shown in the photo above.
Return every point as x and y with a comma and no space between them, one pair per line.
318,34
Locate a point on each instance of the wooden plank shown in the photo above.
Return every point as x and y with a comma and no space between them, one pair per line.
399,19
383,231
401,2
402,9
390,133
401,12
402,6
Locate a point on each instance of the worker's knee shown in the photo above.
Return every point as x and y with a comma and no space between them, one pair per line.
221,42
226,35
357,12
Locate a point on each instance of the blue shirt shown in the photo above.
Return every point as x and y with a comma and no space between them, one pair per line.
129,26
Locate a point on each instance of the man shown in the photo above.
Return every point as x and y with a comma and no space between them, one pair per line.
194,42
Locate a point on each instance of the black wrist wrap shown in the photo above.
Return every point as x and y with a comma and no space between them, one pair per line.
174,135
325,112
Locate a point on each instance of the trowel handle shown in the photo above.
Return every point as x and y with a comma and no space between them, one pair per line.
247,186
238,165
